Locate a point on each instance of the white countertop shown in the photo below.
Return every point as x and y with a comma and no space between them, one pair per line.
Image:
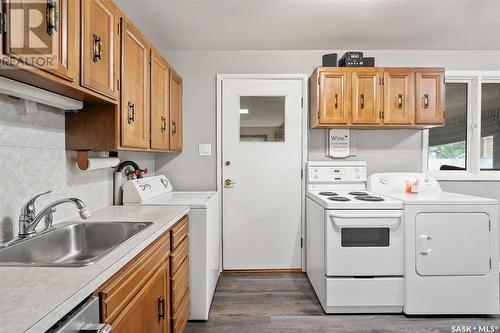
35,298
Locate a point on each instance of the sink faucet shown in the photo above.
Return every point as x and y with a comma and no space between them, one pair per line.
28,219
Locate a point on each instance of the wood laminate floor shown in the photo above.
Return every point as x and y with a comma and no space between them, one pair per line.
285,302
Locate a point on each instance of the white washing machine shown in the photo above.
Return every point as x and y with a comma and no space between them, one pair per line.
204,233
451,247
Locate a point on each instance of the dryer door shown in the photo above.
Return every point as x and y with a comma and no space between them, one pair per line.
452,244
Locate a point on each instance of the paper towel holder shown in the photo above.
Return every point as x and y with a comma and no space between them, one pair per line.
83,161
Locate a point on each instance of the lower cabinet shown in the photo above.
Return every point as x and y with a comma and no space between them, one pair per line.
179,260
151,293
148,311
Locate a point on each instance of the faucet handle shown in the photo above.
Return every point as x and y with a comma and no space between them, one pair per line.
29,207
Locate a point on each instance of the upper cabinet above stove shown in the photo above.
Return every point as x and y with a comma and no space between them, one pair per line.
377,97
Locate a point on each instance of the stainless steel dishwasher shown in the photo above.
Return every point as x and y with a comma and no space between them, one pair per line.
82,319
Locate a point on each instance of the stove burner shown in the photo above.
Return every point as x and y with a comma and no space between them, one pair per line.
369,198
339,199
358,193
327,193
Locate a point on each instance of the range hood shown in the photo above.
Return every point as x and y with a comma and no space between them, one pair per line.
27,92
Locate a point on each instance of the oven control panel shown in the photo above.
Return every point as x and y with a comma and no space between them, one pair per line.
335,174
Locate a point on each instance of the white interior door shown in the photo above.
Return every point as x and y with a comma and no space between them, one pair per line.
452,244
261,173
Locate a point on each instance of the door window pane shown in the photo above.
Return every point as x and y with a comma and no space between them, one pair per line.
448,144
262,118
490,123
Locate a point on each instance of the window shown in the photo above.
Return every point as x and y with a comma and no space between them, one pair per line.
448,144
262,118
490,123
468,146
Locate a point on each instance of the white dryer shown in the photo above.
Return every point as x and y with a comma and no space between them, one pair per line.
451,247
204,233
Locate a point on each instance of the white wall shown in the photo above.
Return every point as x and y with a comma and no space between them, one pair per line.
33,160
387,150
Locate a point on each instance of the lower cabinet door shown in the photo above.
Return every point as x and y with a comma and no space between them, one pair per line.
149,310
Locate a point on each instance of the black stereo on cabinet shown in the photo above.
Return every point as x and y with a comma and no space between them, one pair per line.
351,59
329,60
356,59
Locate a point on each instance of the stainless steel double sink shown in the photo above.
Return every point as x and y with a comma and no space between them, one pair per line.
70,244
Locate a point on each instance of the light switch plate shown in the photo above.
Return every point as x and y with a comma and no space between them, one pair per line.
205,149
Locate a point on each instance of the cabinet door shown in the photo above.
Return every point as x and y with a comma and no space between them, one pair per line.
99,46
398,97
135,88
148,311
160,98
175,111
366,97
334,97
429,97
44,34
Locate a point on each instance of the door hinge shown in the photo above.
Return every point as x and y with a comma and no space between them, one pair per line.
302,245
3,22
301,173
119,28
302,102
490,263
118,84
489,224
319,81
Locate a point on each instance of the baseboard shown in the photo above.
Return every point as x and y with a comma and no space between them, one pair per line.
278,270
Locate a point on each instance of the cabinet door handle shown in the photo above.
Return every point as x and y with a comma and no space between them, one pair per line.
52,17
97,48
336,101
362,97
174,127
400,101
131,112
161,308
163,124
425,101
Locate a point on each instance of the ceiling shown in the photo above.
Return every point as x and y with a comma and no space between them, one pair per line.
318,25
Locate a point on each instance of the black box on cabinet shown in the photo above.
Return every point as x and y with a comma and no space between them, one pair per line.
329,60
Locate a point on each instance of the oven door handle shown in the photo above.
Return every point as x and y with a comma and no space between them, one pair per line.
395,219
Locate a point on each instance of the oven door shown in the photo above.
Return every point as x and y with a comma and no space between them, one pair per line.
364,243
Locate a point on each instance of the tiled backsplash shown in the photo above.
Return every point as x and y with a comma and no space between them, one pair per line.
33,160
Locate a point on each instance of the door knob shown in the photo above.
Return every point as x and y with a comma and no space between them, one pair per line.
228,182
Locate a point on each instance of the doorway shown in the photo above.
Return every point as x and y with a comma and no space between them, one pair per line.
261,155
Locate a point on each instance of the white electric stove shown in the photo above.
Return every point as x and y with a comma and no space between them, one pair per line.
204,233
354,241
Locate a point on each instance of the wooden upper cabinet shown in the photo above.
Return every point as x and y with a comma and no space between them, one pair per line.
135,87
333,97
366,97
377,97
45,34
148,311
100,38
175,111
399,106
429,102
160,102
